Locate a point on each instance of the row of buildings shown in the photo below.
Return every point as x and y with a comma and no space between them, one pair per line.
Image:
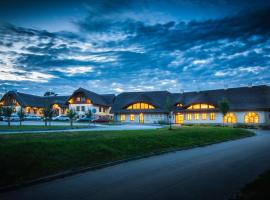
248,105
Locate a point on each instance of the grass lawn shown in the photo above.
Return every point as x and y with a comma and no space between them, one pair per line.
34,127
259,189
28,156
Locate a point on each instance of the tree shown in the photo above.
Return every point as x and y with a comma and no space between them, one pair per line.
7,112
47,113
71,115
224,107
169,110
89,115
21,115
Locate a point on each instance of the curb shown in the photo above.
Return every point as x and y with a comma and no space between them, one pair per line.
107,164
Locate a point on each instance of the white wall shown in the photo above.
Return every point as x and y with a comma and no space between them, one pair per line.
90,106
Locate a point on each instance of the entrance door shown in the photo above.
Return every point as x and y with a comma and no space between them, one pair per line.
141,118
179,118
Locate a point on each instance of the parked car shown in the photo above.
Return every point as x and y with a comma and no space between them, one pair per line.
84,119
61,118
101,120
32,117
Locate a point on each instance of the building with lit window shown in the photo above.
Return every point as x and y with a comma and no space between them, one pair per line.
248,105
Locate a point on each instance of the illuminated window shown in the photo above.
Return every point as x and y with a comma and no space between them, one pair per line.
204,116
132,117
200,106
230,118
78,99
179,105
122,117
212,116
143,106
189,117
196,116
251,118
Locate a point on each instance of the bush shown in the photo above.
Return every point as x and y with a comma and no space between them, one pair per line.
162,122
246,126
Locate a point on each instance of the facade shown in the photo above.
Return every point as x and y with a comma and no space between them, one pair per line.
248,105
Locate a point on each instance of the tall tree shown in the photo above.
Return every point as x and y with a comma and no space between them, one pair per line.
8,108
224,108
47,113
89,115
169,110
71,115
21,115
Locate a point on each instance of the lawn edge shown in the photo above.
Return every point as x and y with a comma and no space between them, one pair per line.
109,164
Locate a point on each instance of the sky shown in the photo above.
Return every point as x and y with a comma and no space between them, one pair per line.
114,46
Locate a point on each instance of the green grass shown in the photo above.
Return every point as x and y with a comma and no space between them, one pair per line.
258,189
34,127
28,156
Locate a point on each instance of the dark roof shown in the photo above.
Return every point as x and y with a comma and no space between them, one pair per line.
155,98
104,100
36,101
242,98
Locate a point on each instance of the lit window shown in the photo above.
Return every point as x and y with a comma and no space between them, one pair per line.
201,106
212,116
78,99
189,117
122,117
204,116
196,116
230,118
137,106
132,117
179,105
251,118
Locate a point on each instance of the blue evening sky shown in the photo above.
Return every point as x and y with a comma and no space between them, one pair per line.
111,46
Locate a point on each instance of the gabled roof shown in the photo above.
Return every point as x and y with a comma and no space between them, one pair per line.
36,101
156,98
104,100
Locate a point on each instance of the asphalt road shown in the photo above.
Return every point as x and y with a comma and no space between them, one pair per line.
214,172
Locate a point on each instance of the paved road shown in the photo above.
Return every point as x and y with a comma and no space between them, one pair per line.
97,127
214,172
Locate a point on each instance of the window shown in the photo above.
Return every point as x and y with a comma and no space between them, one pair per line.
201,106
132,117
83,108
138,106
122,117
104,109
99,109
204,116
251,118
230,118
189,117
196,116
212,116
179,105
77,108
83,99
78,99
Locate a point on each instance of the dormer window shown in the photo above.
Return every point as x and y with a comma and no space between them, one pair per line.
179,105
140,106
200,106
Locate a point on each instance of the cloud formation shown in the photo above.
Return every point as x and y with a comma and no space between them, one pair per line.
118,52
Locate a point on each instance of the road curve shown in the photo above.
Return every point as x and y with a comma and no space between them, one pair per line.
213,172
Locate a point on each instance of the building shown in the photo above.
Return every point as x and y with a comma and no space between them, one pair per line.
248,105
33,104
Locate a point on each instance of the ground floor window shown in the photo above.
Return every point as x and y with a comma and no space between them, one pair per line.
204,116
212,116
196,116
179,118
251,118
77,108
189,117
230,118
132,117
122,117
141,118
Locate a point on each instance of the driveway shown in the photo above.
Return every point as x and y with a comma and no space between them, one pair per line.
97,127
213,172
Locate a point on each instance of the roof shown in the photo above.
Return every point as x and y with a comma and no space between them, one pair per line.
36,101
155,98
104,100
